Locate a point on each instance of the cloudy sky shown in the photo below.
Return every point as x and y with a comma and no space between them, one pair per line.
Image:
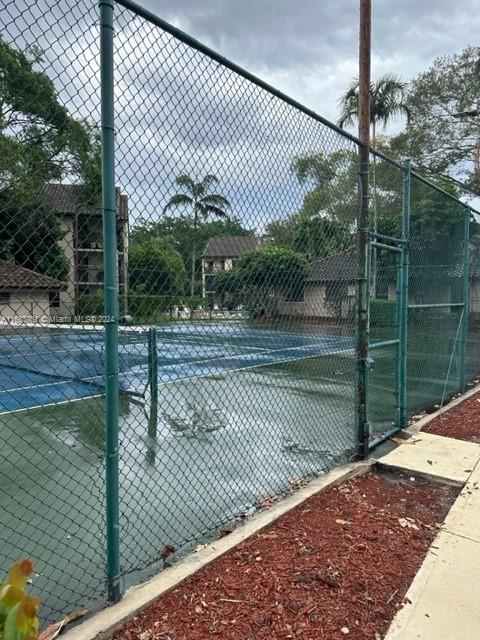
308,48
178,111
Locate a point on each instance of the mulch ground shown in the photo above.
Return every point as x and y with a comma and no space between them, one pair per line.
338,566
462,422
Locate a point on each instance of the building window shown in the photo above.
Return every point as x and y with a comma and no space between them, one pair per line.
54,299
4,297
222,265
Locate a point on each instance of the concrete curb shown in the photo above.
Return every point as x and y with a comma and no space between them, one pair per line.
417,426
104,623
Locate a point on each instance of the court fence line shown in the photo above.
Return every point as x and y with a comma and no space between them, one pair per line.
178,293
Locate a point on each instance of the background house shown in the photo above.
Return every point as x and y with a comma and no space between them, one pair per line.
24,292
220,255
329,292
82,244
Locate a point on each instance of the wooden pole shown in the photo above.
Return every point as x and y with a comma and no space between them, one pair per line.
362,228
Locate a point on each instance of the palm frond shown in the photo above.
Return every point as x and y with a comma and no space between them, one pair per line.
209,179
206,210
179,199
387,99
349,105
185,181
216,200
200,188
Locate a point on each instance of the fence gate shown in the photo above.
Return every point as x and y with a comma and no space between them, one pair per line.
386,263
418,284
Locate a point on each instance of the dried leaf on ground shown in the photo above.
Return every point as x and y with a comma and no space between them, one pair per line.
55,629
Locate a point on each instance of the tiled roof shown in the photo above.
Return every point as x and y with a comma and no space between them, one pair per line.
13,276
230,246
61,198
341,266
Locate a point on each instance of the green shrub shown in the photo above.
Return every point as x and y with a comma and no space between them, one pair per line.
146,307
382,313
92,304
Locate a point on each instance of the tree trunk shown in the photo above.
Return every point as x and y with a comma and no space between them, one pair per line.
194,247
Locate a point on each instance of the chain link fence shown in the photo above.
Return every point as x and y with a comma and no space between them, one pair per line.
235,278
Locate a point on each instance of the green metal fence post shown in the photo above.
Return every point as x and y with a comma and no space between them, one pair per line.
153,381
403,330
398,334
111,299
466,300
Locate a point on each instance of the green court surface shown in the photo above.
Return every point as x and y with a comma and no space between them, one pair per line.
224,439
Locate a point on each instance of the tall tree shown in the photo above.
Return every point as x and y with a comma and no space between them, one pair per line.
202,204
388,99
39,139
443,134
180,230
39,142
261,278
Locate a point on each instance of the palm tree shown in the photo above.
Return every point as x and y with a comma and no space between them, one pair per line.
387,100
202,205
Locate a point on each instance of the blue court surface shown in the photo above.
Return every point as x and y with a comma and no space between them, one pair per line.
43,366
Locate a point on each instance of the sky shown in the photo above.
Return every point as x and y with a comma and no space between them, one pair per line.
309,48
177,111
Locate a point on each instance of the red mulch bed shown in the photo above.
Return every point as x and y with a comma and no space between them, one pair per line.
462,422
337,566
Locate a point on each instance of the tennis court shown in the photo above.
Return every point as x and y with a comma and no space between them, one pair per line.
243,412
50,365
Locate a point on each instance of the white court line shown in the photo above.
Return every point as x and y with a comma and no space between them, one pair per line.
50,404
232,356
260,351
256,366
49,384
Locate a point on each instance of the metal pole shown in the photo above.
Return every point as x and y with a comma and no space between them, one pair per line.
153,381
403,332
398,333
111,299
466,299
362,228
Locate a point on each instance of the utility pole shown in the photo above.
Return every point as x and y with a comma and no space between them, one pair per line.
362,227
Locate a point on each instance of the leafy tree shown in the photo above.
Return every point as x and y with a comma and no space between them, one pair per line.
39,142
261,278
314,236
443,133
333,186
202,204
180,232
387,100
157,267
39,139
29,235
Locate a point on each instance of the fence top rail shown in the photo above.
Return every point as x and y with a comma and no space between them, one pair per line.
214,55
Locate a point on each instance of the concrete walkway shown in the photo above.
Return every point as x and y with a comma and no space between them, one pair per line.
443,602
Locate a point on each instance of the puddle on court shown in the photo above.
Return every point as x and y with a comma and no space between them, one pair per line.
211,460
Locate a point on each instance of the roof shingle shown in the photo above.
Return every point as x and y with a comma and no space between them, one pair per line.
341,266
61,198
14,276
230,246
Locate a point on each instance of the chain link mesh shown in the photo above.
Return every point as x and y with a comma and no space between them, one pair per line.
236,233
